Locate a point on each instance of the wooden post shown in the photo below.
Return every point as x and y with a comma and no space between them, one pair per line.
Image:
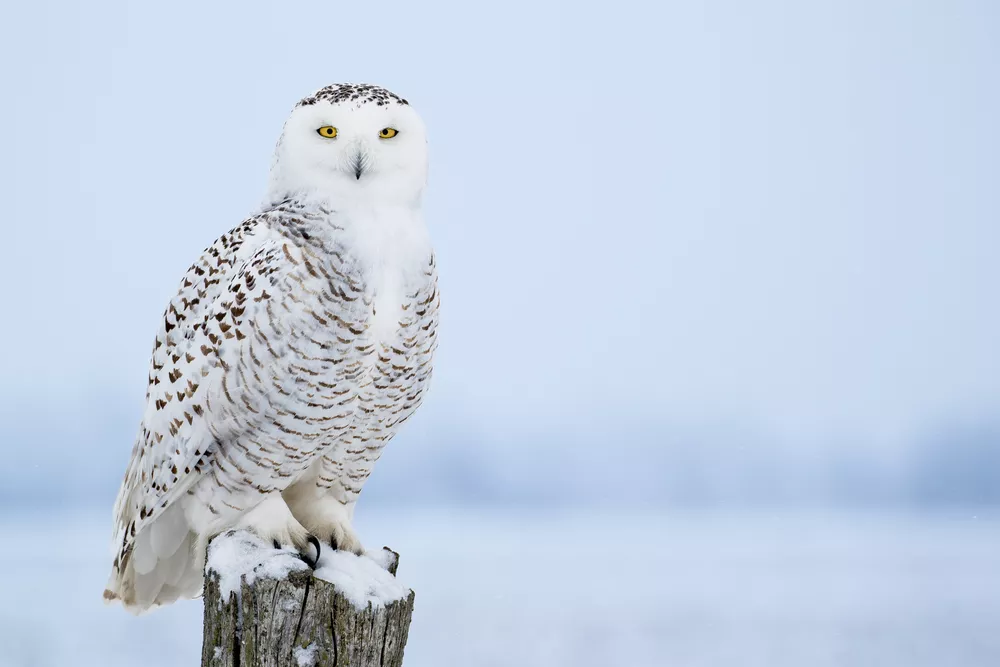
299,620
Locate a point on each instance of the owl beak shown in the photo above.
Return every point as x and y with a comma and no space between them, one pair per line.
359,165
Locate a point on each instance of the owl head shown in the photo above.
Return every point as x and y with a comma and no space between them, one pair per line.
351,143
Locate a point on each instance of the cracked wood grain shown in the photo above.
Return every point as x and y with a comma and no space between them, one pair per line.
265,624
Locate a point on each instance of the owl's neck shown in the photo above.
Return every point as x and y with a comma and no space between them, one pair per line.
379,234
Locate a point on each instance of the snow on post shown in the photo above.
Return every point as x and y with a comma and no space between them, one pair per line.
265,607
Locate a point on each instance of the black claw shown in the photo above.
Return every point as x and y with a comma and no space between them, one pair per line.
313,541
305,557
277,544
333,542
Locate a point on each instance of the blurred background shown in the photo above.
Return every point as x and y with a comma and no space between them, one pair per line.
734,268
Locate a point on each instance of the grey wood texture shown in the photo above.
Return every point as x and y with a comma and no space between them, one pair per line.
300,621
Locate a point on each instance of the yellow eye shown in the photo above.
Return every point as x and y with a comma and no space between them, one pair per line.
328,131
387,133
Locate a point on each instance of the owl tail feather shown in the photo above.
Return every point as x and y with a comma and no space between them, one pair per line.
165,564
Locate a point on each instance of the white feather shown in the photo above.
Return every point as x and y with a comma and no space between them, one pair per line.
168,531
143,557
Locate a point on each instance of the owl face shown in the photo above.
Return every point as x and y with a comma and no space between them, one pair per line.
352,143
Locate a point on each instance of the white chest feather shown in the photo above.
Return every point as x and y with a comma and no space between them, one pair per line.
392,248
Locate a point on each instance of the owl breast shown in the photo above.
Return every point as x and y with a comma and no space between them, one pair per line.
361,338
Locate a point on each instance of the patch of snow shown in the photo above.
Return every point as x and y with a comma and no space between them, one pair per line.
383,557
361,579
239,554
305,657
217,653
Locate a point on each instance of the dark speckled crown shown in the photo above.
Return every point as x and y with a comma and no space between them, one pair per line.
359,93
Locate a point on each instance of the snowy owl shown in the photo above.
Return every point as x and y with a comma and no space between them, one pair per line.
295,348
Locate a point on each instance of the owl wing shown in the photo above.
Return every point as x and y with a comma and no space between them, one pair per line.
200,330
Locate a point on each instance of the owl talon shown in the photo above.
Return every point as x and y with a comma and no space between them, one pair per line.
312,562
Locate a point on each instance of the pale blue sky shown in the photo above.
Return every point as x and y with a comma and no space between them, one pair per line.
779,216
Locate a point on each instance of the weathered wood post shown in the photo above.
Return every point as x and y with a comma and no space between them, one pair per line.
266,608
